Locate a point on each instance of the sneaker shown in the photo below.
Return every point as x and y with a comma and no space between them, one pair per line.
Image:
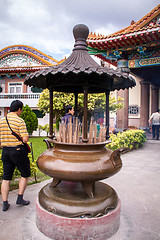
6,205
22,202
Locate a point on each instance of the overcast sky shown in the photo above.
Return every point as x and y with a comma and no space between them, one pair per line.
47,24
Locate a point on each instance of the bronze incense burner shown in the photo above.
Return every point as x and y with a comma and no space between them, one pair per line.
75,164
85,163
76,167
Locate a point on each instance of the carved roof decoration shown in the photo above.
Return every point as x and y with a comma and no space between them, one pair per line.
144,31
80,70
24,58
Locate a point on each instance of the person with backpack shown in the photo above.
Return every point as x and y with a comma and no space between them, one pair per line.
14,153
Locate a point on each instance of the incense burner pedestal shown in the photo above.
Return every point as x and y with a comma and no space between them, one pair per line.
75,204
62,214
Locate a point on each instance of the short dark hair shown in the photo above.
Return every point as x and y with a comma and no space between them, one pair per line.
158,110
67,108
15,105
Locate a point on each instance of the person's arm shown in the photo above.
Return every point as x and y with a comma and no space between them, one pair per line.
23,132
150,120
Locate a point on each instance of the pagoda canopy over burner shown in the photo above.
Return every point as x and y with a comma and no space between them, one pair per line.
80,70
79,73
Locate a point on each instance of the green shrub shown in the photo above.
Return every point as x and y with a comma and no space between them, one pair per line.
132,139
30,119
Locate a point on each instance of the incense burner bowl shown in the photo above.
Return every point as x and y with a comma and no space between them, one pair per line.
85,163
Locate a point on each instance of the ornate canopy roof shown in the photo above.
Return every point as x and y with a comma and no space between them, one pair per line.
79,70
139,39
22,58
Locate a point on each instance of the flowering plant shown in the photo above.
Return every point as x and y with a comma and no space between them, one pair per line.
132,139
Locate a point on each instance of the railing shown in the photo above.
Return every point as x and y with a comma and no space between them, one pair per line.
19,96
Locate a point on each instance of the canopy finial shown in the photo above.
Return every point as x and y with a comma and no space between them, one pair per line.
80,33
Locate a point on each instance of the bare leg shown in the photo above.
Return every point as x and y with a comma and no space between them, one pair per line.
5,189
5,192
22,185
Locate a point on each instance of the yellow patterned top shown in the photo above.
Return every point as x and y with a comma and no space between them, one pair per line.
17,124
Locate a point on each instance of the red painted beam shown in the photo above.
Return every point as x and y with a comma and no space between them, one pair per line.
102,45
112,43
129,41
151,37
148,36
132,40
157,35
107,43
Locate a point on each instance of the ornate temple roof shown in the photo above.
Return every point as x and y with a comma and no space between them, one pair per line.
80,70
24,58
144,31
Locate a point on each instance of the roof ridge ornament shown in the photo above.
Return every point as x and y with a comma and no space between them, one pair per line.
80,33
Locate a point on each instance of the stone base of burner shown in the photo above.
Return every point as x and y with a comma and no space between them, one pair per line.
63,228
87,224
68,199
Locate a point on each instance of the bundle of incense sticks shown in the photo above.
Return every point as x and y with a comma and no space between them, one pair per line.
72,132
94,135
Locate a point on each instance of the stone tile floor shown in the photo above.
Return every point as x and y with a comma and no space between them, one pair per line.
137,185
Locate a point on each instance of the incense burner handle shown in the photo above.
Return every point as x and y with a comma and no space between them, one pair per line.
48,142
115,156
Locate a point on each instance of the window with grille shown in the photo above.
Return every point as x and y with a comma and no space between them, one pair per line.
133,110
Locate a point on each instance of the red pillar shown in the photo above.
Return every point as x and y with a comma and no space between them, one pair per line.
154,98
107,114
126,105
144,111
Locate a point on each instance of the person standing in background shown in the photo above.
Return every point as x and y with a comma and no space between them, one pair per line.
69,114
14,153
155,122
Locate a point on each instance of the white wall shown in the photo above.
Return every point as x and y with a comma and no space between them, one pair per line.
42,121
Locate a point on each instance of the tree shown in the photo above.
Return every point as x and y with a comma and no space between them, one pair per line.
30,119
60,100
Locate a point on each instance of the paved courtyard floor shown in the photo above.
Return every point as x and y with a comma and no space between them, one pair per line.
137,185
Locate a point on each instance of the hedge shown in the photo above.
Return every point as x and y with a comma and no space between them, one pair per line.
131,139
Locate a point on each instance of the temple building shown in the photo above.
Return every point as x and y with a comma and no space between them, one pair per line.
16,62
135,50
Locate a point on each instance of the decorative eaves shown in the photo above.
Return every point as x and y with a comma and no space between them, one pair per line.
80,70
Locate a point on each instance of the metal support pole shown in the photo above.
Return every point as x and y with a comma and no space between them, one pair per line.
76,104
85,139
107,114
51,114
